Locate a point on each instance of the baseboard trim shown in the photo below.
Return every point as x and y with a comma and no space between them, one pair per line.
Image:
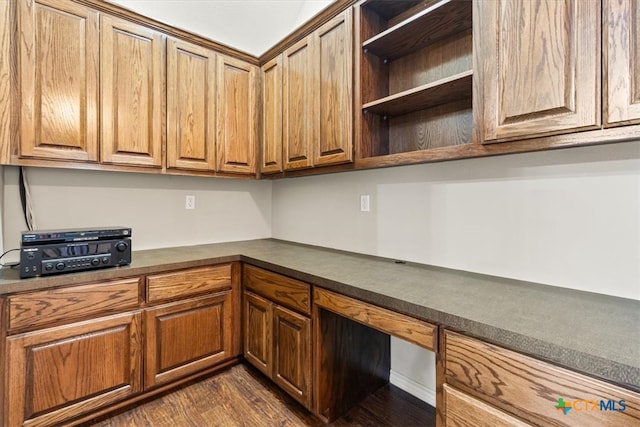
418,390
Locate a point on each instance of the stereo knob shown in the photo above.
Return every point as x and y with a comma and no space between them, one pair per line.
95,261
105,260
60,266
121,246
48,267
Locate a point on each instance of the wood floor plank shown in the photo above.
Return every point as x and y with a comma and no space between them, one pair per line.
241,396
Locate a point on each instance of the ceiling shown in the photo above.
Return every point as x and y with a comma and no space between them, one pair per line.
252,26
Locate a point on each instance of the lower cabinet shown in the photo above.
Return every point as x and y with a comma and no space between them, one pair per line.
277,339
185,337
486,385
463,410
54,374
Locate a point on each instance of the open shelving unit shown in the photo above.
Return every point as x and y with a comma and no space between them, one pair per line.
415,77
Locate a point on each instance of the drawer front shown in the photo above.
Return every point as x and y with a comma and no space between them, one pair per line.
53,306
399,325
462,410
283,290
194,281
532,390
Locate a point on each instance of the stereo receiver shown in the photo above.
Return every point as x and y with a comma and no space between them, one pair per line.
63,251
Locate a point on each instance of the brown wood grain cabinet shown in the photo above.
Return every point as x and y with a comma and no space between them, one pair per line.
277,339
541,67
271,160
621,41
237,115
334,74
196,326
185,337
132,78
54,374
298,105
191,106
527,389
414,79
59,49
318,96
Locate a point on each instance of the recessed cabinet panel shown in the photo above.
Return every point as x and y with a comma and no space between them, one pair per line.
272,116
191,115
57,373
299,105
292,353
132,100
622,62
59,80
186,337
237,115
335,96
258,344
542,69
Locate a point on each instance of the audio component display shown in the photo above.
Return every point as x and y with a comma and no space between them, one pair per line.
64,251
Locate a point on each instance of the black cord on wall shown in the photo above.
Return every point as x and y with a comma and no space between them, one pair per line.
23,199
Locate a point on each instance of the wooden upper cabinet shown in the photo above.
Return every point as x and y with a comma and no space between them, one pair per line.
191,103
334,42
58,47
621,45
237,115
272,116
132,93
299,104
540,70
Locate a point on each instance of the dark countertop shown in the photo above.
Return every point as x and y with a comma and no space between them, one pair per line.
591,333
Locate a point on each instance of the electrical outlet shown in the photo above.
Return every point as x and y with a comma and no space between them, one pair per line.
190,202
364,203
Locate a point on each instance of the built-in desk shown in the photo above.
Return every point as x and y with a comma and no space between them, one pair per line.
587,333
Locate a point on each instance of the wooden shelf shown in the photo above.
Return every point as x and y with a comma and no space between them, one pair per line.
442,91
434,23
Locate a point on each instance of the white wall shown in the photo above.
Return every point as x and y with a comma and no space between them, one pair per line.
252,26
568,218
153,205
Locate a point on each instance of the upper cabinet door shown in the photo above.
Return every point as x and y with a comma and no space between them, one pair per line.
191,114
299,105
59,80
540,70
237,115
132,96
622,62
334,41
272,116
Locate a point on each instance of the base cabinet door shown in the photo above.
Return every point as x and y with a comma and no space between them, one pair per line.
258,343
185,337
55,374
291,353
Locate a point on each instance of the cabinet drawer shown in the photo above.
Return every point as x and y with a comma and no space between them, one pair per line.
194,281
54,306
531,389
280,289
466,411
399,325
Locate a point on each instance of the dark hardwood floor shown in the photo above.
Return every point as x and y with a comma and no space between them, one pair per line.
241,396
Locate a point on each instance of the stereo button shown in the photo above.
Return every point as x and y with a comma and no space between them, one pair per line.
60,266
95,261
